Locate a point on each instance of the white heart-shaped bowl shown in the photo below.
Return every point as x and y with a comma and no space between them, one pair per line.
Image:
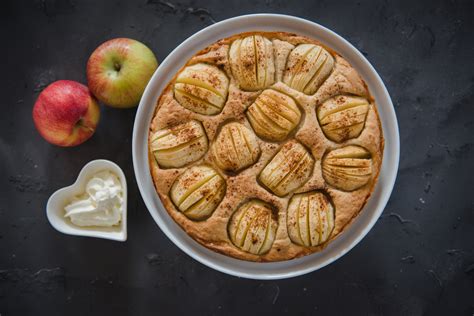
361,225
59,199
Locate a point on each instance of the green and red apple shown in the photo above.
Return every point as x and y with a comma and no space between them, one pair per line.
66,113
119,70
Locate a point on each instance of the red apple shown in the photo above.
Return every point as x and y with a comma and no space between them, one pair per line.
119,70
66,113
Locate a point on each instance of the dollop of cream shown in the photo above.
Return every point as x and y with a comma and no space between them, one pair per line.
100,205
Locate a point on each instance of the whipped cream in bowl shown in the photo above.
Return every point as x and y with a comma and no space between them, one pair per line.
100,205
94,206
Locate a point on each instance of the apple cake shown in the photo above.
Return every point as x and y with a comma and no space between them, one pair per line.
265,146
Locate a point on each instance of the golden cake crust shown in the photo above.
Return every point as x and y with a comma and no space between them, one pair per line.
244,185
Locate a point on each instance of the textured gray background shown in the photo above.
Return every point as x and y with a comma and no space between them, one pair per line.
417,260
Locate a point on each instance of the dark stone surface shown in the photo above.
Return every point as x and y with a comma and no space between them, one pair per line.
417,260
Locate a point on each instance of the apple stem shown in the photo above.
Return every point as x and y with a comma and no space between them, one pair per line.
80,123
117,66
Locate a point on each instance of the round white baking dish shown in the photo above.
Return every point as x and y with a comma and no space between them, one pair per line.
364,221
